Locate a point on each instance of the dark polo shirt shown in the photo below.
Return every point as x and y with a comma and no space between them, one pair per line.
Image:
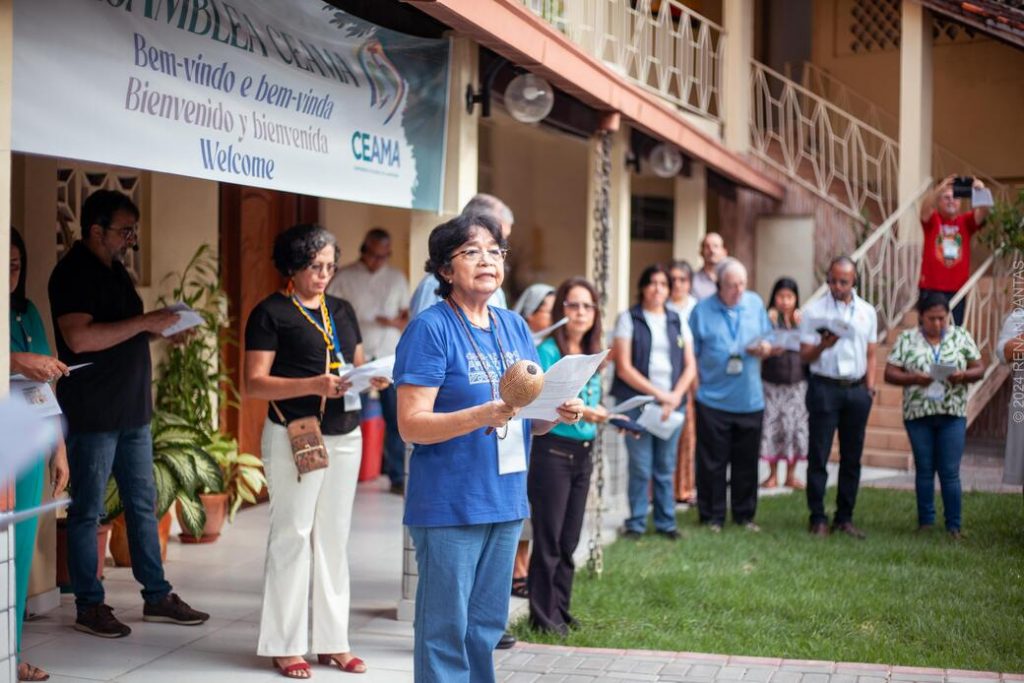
114,393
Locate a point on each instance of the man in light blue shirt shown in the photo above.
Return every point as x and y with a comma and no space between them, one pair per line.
425,295
730,399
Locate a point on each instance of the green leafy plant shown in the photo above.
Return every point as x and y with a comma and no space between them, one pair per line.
1005,231
242,473
182,467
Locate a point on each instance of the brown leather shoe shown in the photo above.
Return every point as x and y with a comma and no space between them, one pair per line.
819,529
850,530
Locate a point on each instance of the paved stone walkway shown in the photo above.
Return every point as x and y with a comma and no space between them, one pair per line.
529,663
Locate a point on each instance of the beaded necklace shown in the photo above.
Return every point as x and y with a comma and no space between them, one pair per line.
326,330
491,380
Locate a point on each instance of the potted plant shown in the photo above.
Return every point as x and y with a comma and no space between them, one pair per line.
182,467
243,479
1005,231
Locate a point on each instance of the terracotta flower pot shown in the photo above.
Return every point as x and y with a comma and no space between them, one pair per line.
119,539
63,576
216,506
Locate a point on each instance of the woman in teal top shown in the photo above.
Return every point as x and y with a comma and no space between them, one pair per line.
30,356
561,464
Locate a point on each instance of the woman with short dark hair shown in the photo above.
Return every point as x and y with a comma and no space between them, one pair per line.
935,410
298,342
653,355
466,492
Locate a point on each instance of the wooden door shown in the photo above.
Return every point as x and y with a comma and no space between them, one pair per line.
250,219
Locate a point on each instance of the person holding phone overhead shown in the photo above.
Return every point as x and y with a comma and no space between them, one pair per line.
946,256
840,391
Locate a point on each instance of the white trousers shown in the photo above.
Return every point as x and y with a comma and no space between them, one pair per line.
309,527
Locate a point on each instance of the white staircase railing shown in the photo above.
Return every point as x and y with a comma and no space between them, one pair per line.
660,45
843,160
888,267
944,161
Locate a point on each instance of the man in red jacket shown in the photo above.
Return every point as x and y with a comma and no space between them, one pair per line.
946,256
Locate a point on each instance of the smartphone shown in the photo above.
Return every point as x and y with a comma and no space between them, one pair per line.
823,331
629,425
962,186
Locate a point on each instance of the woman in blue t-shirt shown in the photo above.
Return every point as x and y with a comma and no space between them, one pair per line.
560,464
30,357
466,492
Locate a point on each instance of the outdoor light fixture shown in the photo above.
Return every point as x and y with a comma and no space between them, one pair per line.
665,160
529,98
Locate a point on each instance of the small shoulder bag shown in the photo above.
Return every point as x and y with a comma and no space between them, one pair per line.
305,437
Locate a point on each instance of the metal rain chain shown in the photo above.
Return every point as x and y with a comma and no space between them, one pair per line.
602,235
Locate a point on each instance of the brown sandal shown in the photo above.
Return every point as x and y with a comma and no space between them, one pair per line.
354,665
27,672
519,587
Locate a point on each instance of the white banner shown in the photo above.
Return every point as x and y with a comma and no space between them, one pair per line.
295,96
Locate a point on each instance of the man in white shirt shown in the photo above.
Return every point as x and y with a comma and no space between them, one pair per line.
713,251
380,296
840,391
425,296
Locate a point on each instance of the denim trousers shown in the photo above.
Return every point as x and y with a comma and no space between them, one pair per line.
461,599
92,458
938,445
652,459
394,447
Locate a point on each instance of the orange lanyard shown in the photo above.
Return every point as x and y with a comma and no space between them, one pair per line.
326,330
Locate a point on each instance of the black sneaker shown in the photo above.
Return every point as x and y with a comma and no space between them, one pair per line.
507,641
99,620
173,610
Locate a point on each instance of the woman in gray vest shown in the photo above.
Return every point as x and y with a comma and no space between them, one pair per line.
653,355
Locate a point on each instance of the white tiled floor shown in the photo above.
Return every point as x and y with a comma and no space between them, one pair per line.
225,579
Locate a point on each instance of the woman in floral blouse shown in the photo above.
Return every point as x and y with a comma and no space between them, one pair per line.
935,411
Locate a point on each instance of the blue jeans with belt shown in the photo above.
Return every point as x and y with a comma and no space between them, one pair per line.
461,599
92,457
938,445
652,460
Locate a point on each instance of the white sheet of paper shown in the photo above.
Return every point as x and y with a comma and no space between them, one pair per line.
27,436
786,339
563,381
981,197
940,372
632,404
650,419
361,376
836,326
512,449
71,368
187,319
541,335
9,518
37,395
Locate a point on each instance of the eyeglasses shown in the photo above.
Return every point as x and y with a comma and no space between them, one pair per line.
127,232
474,255
579,306
328,268
680,278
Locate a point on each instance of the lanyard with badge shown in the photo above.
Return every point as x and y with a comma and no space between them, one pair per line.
329,331
950,235
511,439
735,364
845,353
935,390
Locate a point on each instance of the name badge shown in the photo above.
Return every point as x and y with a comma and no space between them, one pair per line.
734,366
512,449
950,249
845,367
935,391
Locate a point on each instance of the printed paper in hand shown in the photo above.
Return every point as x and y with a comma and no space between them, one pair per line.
38,396
361,376
632,404
786,339
27,436
650,419
187,319
563,381
836,326
981,197
941,372
541,335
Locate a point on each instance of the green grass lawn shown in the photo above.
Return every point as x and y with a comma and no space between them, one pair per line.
897,598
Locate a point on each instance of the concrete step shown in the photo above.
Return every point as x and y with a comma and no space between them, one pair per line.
886,416
889,396
887,438
884,457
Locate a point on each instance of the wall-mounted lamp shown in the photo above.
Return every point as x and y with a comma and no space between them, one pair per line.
529,98
665,160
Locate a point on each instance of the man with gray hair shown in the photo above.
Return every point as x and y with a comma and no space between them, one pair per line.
425,295
728,330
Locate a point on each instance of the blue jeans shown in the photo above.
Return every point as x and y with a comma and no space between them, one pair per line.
394,447
652,458
938,445
92,457
461,599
